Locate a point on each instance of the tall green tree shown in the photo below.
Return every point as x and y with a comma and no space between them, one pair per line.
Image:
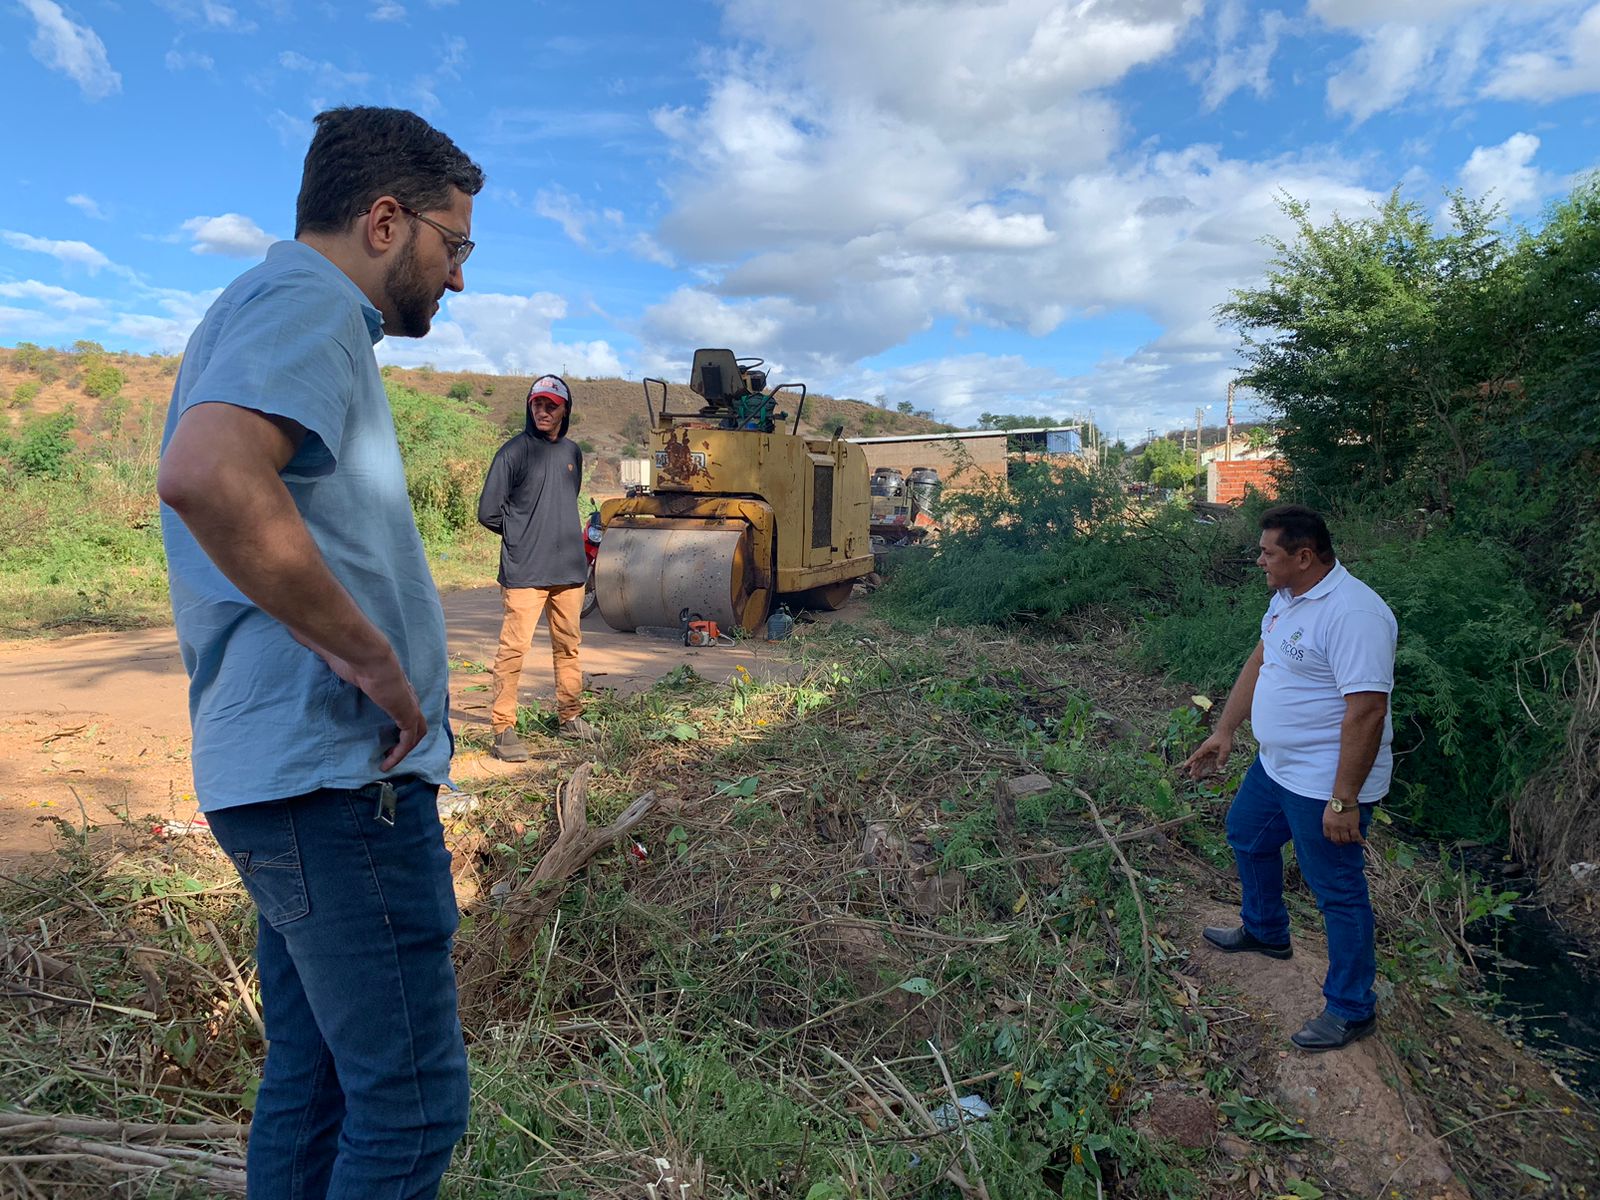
1367,347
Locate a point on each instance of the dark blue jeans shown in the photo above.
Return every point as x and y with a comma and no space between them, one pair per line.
1264,816
364,1093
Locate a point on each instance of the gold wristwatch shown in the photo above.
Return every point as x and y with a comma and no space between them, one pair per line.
1341,806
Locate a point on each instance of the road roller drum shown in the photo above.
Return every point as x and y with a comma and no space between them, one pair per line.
651,570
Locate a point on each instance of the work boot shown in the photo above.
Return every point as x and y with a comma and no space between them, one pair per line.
576,729
1239,938
1328,1032
508,747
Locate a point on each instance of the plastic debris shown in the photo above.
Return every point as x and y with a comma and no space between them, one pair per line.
172,829
454,802
973,1108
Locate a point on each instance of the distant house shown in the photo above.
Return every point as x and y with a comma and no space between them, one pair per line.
1241,450
1227,482
979,452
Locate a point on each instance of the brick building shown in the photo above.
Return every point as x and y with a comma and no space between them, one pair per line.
1227,482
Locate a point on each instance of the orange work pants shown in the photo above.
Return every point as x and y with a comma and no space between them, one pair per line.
563,607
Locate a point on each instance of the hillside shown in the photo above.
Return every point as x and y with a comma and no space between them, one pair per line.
608,414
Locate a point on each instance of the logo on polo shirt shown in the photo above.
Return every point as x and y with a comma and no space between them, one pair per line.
1290,647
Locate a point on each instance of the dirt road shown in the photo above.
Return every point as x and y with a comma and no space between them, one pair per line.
95,727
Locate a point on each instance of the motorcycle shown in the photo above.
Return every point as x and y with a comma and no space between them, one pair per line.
591,551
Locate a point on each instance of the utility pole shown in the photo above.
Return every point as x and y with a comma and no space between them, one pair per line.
1199,416
1229,450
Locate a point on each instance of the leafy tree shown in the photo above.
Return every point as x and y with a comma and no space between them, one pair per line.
1165,465
1367,347
904,408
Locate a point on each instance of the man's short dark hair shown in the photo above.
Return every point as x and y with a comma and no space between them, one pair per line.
360,154
1299,528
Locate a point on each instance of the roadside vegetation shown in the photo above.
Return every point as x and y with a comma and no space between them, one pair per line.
80,535
926,866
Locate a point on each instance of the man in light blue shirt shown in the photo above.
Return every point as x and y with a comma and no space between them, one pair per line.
314,641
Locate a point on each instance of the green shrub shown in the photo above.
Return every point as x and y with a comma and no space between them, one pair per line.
103,381
1043,545
460,390
446,452
29,357
42,448
25,393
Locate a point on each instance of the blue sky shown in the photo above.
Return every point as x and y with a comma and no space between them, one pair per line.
1003,205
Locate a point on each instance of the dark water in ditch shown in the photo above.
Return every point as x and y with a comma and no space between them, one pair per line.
1548,983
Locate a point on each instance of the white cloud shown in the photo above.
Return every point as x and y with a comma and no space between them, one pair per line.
75,50
1569,67
183,60
87,206
925,173
51,296
291,130
231,234
78,254
168,329
1361,14
561,206
1383,72
29,324
512,335
1239,63
208,14
846,116
387,10
325,75
1440,50
423,93
1505,173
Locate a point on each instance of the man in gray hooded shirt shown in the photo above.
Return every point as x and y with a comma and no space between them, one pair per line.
530,498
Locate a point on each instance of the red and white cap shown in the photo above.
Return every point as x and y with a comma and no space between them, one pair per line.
552,387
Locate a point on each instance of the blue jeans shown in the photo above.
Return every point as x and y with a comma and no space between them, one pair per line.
1264,816
364,1093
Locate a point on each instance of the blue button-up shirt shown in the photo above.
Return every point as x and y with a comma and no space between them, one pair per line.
293,338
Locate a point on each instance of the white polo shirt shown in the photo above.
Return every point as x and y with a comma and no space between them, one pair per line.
1318,648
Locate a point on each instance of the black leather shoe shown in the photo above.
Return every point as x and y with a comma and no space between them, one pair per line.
1239,938
1328,1032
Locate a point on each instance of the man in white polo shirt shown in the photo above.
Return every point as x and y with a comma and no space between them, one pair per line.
1316,691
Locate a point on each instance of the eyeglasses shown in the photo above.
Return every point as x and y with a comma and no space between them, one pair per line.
459,244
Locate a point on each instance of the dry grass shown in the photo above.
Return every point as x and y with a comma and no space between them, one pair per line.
840,917
1555,822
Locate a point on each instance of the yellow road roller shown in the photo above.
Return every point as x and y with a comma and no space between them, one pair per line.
742,510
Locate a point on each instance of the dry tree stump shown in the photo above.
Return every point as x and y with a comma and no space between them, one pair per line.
507,928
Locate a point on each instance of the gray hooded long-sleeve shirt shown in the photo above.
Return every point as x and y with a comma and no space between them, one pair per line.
530,498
